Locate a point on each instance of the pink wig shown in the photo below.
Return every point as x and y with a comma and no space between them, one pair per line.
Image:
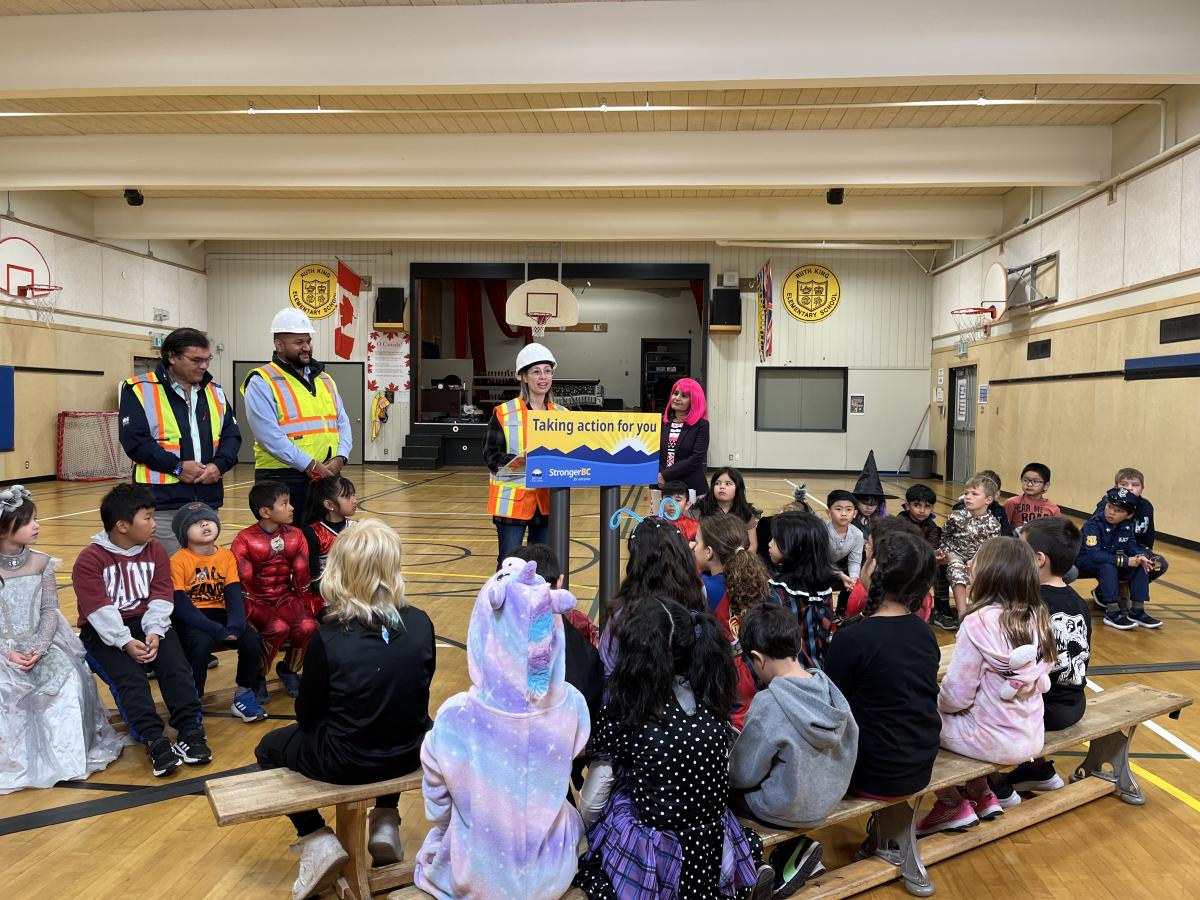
695,393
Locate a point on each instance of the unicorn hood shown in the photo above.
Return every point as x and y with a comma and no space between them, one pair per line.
515,645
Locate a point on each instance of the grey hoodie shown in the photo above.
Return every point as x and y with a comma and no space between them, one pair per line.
796,754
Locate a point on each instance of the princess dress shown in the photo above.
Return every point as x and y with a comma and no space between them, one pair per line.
52,724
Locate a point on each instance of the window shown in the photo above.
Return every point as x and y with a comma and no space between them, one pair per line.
1038,349
800,399
1179,328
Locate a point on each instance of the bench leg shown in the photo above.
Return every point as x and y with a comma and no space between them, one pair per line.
351,827
1113,750
892,836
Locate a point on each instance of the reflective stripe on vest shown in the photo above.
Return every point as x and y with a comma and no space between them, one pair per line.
507,500
310,421
164,428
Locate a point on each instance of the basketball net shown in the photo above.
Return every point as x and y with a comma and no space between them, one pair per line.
539,324
42,297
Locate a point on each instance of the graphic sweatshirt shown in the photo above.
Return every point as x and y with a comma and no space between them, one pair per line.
498,759
795,756
114,585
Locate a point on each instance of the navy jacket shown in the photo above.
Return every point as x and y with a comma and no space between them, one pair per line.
691,456
1143,521
140,445
1105,544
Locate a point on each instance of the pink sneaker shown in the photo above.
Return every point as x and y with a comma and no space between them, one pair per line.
987,805
948,817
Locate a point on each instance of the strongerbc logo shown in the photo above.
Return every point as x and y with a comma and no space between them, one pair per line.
811,293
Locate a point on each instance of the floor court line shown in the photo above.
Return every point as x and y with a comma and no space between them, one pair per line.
1159,730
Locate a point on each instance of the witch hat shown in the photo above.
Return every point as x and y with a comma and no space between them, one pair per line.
868,484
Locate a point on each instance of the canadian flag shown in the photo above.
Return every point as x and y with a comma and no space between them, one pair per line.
349,285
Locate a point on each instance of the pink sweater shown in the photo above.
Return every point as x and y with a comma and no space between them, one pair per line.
991,697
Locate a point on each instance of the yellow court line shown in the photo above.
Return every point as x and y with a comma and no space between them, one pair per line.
1165,785
385,475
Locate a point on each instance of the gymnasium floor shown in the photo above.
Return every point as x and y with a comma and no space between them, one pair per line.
125,832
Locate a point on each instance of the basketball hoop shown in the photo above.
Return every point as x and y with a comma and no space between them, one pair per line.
540,304
539,324
43,298
973,322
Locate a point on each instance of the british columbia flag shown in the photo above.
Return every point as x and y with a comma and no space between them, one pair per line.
766,329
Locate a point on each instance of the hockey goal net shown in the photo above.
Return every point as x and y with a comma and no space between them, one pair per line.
88,447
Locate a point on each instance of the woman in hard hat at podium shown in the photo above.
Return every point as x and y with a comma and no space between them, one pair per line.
515,508
301,430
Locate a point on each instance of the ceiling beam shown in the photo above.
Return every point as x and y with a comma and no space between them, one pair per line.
893,157
866,218
572,46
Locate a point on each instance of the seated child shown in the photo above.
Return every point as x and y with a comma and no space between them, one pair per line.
655,800
762,530
272,560
857,603
660,564
845,541
1111,554
965,530
1031,503
498,759
678,491
1055,542
800,552
794,758
727,494
870,496
52,726
122,582
363,708
331,505
735,581
1143,518
208,606
995,508
886,666
919,503
991,696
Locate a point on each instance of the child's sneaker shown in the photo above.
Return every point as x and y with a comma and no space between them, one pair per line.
794,863
193,749
260,692
948,817
289,679
1118,620
163,757
1035,778
246,707
987,805
945,621
1100,604
383,840
1005,794
213,662
1143,619
764,882
321,858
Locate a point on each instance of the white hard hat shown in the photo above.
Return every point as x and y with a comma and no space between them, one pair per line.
290,320
532,354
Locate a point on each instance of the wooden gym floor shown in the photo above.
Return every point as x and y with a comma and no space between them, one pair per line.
124,832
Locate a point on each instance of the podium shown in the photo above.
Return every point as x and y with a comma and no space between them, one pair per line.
610,540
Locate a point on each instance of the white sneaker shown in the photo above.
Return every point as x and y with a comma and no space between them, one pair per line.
321,859
384,837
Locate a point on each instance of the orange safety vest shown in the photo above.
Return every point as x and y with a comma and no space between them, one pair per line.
164,427
310,421
505,499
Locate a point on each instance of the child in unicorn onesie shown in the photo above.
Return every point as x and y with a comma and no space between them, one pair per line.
498,759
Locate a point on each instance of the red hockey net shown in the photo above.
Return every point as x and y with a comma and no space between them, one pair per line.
89,448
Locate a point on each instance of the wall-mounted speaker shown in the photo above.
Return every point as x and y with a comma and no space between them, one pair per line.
726,317
389,308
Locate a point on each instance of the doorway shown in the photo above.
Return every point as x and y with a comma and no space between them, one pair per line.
348,376
960,436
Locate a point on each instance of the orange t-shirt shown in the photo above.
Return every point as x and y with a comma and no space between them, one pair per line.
203,578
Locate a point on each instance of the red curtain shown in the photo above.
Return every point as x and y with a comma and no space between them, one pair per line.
497,294
697,285
468,322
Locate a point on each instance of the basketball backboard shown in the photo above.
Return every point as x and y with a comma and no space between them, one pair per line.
540,304
995,289
21,265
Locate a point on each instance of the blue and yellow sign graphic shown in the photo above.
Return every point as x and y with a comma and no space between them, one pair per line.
591,449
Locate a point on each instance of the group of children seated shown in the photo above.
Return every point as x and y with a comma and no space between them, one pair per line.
725,682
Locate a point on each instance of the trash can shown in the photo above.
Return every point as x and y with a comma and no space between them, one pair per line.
921,463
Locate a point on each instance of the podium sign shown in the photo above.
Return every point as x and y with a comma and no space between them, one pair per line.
596,449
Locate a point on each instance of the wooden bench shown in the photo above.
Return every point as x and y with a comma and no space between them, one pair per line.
892,850
277,792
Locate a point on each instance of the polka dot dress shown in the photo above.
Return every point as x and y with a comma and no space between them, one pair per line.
676,772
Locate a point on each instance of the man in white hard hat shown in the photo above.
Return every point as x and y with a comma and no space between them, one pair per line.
515,508
301,430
